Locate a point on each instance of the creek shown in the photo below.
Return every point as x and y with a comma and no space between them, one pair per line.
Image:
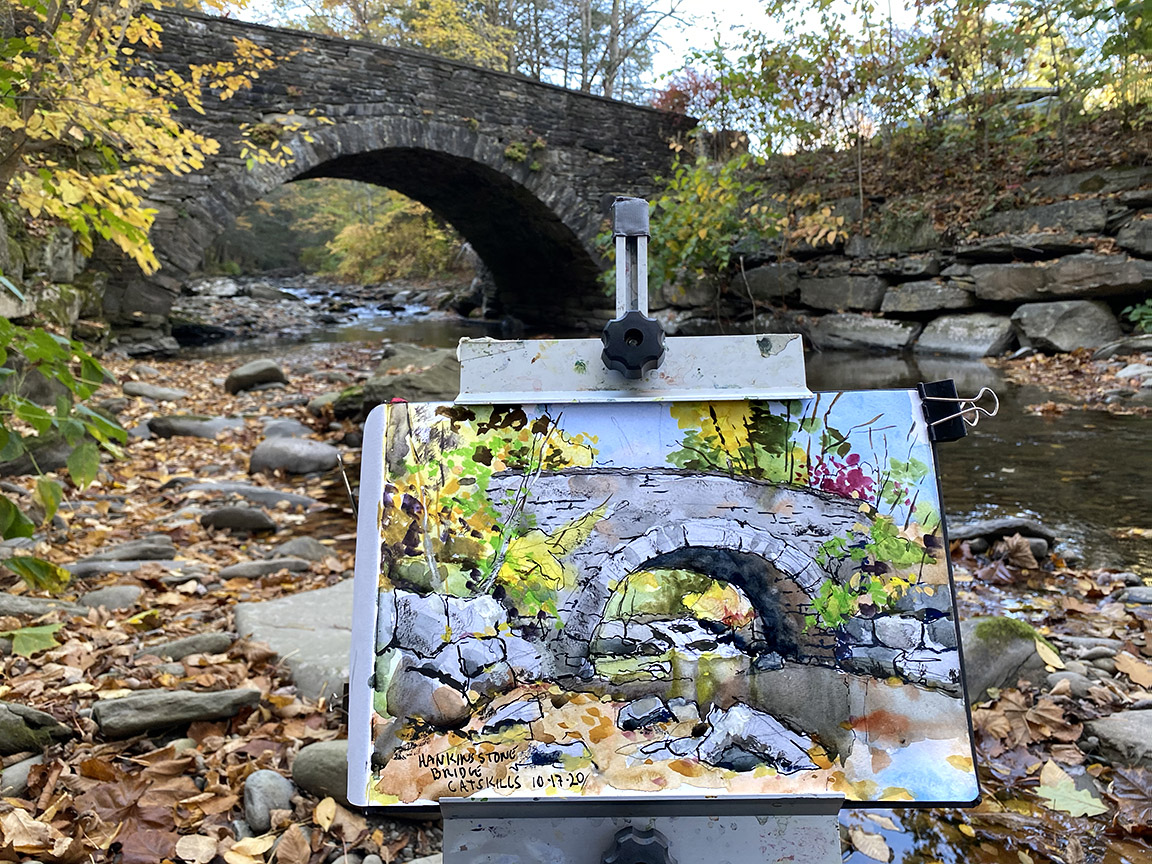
1087,476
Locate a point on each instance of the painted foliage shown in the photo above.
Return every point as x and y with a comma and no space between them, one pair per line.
688,598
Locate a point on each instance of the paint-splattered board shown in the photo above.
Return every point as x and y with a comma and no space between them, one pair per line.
730,598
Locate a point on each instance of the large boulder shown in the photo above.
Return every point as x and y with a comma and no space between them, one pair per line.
293,455
999,652
1125,738
980,334
415,375
1065,325
427,695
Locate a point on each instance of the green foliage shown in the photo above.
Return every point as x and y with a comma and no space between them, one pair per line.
883,546
1140,314
35,359
516,151
703,210
834,604
27,641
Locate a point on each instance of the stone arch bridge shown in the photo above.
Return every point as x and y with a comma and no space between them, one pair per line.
517,166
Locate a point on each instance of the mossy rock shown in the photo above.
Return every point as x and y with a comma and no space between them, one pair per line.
999,652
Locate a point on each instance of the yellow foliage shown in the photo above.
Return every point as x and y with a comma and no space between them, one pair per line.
86,128
721,603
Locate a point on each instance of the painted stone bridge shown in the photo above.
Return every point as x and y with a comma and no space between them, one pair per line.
517,166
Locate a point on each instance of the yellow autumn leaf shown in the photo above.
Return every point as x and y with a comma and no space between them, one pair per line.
1050,657
324,813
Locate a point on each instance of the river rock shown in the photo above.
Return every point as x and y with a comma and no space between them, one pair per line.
310,630
998,652
192,426
319,404
178,649
156,709
980,334
172,567
1128,345
1079,683
997,529
1065,325
265,791
14,778
1137,594
238,519
1136,236
322,770
263,495
112,597
840,293
23,728
308,548
256,569
253,374
853,331
643,712
286,428
429,697
154,547
15,604
927,295
743,738
152,391
1125,738
293,455
436,377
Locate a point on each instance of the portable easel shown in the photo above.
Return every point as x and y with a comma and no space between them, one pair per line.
633,362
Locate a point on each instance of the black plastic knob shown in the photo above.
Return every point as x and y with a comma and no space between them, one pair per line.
638,846
633,344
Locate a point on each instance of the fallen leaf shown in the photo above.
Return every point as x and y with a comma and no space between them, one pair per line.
1131,789
324,813
250,850
872,845
883,821
1059,791
293,847
1139,671
196,849
1049,656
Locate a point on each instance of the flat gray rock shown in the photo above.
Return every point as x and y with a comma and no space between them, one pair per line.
996,529
293,455
257,494
112,597
256,569
851,330
238,519
322,769
83,569
15,604
152,547
23,728
308,548
201,643
286,428
311,630
156,709
192,426
253,374
1125,738
14,778
1128,345
980,334
1137,594
152,391
515,714
643,712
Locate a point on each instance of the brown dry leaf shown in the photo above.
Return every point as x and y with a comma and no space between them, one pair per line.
293,847
1016,551
1131,789
1068,754
28,836
1136,669
324,813
872,845
250,850
196,848
1046,720
349,826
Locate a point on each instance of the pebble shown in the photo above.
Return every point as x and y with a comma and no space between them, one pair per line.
201,643
156,709
265,791
1098,653
145,371
113,597
192,426
1105,664
1080,684
1137,594
238,519
348,858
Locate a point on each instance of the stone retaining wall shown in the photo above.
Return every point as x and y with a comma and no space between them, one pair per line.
1050,275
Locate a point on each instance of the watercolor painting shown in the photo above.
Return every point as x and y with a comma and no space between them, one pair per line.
715,598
